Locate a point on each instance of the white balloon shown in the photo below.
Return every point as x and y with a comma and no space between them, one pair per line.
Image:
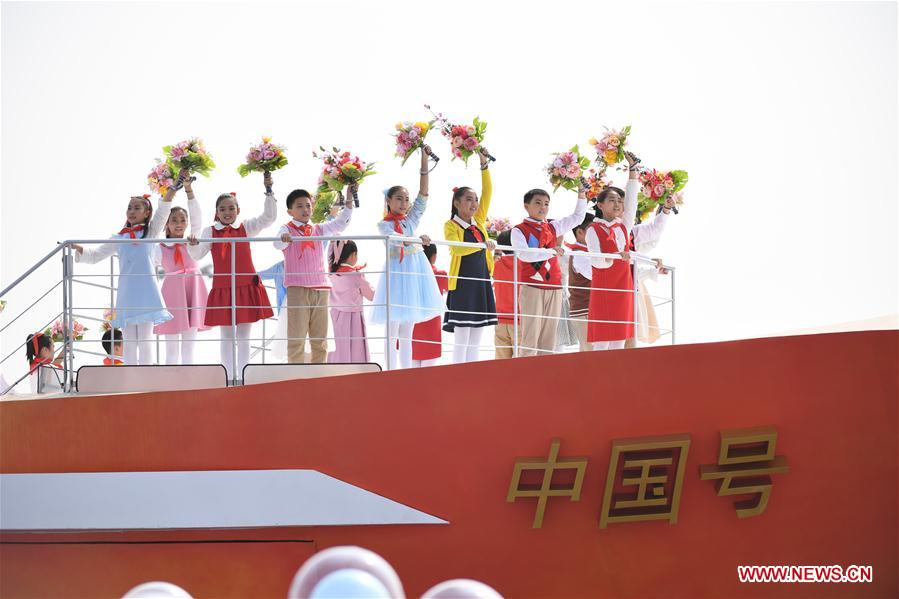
157,590
461,588
350,584
325,562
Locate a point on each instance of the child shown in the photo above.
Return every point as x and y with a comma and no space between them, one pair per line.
540,293
414,296
183,288
504,289
39,352
347,290
139,303
251,301
579,275
565,333
611,312
426,336
470,303
112,345
305,278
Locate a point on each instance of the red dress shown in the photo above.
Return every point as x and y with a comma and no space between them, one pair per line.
611,305
252,300
429,330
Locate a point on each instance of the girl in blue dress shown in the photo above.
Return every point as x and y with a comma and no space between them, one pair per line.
138,303
414,295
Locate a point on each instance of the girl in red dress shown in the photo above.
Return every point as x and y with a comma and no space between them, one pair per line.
250,302
611,312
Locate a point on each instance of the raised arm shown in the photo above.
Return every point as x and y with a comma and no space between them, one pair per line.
423,171
160,218
480,216
630,192
194,212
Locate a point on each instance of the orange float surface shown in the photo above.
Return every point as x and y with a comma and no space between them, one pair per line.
444,440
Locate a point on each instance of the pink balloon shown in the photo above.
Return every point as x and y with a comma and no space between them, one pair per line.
461,588
338,558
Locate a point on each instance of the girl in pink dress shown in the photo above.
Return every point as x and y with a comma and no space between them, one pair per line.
348,287
183,289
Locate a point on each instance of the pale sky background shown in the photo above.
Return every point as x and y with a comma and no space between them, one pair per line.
784,114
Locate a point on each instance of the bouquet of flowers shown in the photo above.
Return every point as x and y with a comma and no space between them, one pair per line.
610,149
566,169
495,226
108,315
340,169
56,332
161,178
411,136
191,155
595,181
465,140
324,199
658,186
264,157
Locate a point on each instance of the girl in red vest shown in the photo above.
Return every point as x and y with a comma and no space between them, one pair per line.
250,302
611,312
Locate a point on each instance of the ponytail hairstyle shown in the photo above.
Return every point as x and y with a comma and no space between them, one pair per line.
341,250
33,345
231,195
458,192
174,210
146,199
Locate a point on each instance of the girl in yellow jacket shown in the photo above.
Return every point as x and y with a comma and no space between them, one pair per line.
470,303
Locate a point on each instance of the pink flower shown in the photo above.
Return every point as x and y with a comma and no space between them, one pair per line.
658,190
268,155
669,184
557,162
457,142
413,134
457,153
469,130
574,170
647,191
178,152
470,144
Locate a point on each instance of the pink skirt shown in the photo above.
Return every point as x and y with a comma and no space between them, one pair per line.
350,344
184,293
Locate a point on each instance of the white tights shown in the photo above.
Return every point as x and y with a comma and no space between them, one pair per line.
137,339
179,349
466,344
243,348
601,345
424,363
403,332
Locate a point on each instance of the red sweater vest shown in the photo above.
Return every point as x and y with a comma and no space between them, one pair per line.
548,270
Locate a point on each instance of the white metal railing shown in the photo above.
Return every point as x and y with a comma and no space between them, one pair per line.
69,311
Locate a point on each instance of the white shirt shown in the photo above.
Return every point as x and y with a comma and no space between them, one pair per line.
253,227
560,225
581,263
94,254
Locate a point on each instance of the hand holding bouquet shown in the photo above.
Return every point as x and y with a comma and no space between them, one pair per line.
566,169
465,140
340,169
57,332
610,148
161,178
658,186
411,136
190,155
264,157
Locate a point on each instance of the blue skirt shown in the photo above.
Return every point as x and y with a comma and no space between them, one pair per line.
414,296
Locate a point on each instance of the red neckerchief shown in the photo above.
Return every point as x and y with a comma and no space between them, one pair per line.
179,255
304,231
476,232
348,268
38,362
228,231
109,362
576,247
132,230
396,219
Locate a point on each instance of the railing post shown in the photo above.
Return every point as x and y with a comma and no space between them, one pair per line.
387,343
635,286
233,248
673,328
514,303
66,320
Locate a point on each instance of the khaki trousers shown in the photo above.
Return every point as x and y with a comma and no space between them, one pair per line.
502,338
307,314
538,335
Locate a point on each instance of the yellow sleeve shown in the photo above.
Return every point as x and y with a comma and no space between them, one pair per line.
452,232
480,216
